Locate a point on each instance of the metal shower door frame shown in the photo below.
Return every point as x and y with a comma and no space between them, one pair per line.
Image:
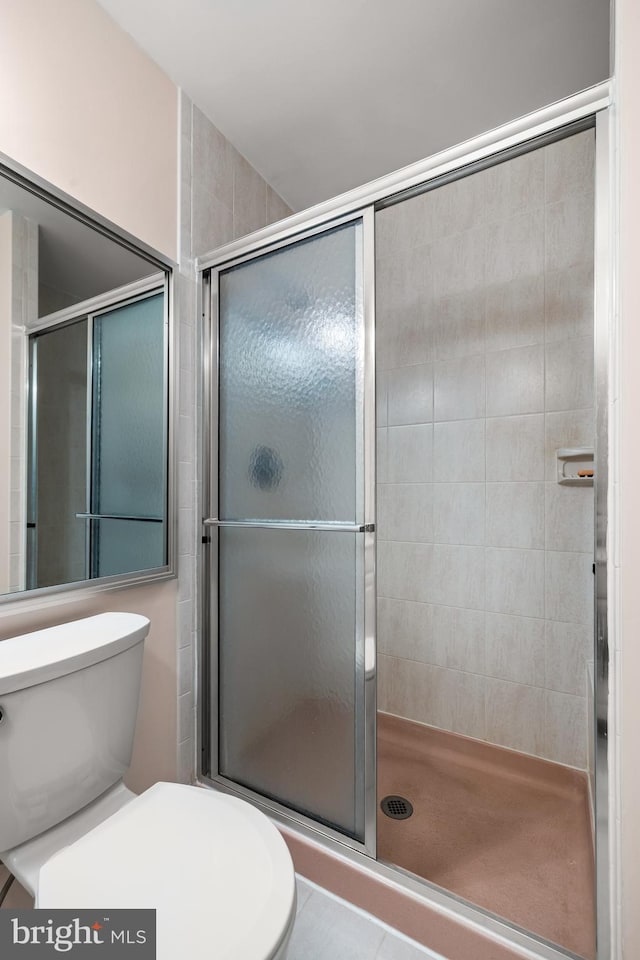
451,163
365,568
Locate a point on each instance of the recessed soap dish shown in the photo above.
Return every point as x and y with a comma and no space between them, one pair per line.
576,466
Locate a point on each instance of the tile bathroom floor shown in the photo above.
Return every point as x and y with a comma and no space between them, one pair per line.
326,928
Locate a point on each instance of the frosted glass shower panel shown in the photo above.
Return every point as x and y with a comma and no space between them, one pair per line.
290,327
129,409
291,678
124,546
129,426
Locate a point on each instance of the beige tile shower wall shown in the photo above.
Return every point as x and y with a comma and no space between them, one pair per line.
229,197
221,197
485,356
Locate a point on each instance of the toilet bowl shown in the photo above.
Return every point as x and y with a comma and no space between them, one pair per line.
214,868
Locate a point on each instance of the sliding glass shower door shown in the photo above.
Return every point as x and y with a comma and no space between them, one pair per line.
292,537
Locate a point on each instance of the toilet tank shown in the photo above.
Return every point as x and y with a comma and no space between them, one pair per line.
68,706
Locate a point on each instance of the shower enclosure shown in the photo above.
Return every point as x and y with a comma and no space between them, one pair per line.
451,733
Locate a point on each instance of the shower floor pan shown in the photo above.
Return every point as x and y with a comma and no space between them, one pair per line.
508,832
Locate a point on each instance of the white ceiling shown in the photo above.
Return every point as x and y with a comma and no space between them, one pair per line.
324,95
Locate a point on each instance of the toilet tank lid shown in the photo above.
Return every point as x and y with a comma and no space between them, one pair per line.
53,652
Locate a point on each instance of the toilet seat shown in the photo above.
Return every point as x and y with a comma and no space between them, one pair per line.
215,869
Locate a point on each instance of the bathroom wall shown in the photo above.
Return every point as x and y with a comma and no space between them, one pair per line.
485,357
90,113
221,198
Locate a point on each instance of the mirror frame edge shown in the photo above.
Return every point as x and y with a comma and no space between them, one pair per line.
25,600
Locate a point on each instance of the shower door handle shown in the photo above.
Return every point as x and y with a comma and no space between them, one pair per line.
293,525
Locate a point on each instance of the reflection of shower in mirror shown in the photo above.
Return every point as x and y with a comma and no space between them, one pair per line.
74,316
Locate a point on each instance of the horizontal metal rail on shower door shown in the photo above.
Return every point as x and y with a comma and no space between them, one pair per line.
117,516
285,525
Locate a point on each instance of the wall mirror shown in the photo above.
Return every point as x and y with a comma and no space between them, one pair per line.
84,411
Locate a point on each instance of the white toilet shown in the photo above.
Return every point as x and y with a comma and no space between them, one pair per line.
215,869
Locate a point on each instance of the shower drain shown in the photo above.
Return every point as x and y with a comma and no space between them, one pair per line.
398,808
